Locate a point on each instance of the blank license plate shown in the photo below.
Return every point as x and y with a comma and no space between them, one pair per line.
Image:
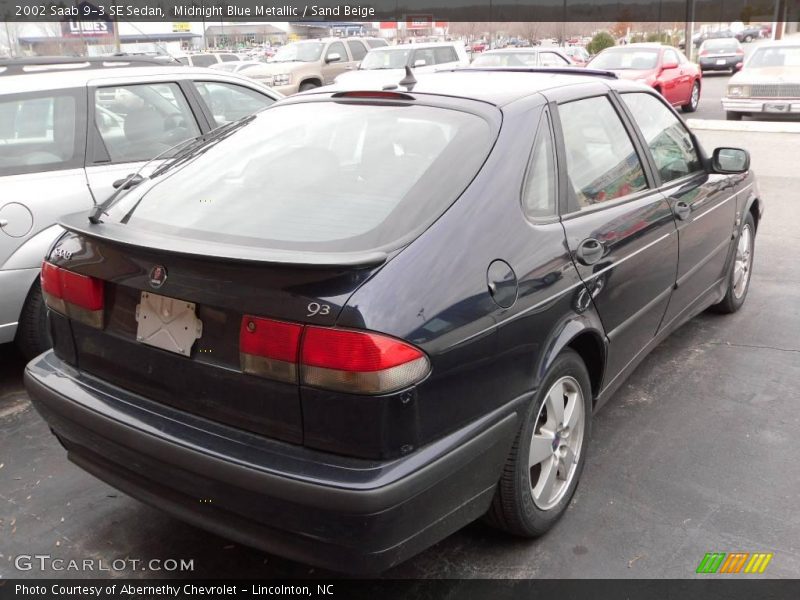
167,323
721,61
776,107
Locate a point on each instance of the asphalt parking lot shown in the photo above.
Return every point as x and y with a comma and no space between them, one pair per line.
696,453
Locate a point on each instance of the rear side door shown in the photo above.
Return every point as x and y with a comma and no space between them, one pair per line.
619,228
42,142
703,204
131,123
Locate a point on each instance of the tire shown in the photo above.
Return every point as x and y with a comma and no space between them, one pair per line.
733,116
740,270
308,85
516,508
694,99
748,39
33,337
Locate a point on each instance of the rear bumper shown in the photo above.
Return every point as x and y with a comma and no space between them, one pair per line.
341,513
711,64
756,105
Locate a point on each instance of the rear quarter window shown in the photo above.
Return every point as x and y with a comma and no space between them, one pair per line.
329,176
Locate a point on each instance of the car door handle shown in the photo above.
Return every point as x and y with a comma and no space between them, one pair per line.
590,251
682,210
3,223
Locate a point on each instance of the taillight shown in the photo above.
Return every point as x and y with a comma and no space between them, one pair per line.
357,362
77,296
703,53
269,348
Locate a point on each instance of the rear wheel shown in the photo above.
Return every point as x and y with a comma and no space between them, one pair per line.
694,99
740,269
546,460
748,38
33,337
733,116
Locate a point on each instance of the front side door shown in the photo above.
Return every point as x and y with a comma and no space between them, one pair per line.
672,80
619,229
704,204
331,69
131,124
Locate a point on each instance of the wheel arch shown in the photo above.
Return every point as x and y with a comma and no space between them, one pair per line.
755,208
310,79
584,335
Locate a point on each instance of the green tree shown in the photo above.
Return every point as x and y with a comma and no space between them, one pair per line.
600,42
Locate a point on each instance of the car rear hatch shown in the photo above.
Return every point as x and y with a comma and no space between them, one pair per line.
215,287
170,326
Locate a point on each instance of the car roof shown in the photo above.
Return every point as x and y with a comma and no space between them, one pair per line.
79,77
527,50
417,45
494,86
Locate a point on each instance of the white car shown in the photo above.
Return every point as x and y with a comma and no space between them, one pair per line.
72,128
387,65
523,57
768,83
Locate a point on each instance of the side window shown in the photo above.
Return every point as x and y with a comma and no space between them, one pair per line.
184,60
357,49
229,102
445,54
39,132
338,48
602,163
539,191
671,56
551,59
138,122
375,43
670,143
203,60
228,58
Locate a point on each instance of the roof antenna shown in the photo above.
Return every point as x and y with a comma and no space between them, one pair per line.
409,81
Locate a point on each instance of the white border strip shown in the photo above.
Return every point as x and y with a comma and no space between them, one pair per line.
747,126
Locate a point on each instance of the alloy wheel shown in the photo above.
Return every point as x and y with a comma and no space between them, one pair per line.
557,443
742,262
695,100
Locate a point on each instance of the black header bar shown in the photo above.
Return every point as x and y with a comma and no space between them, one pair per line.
413,11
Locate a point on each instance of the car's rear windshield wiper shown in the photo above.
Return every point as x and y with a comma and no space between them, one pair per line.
182,152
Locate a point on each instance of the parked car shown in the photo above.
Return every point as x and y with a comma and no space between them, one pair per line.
236,66
479,46
769,83
412,334
207,59
305,65
748,34
387,65
60,152
724,54
663,68
523,57
578,55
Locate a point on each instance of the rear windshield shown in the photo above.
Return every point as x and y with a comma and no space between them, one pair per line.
722,45
322,177
639,59
505,59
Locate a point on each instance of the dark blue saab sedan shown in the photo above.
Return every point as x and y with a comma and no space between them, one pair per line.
343,328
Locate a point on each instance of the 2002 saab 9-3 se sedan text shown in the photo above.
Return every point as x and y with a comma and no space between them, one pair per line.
358,320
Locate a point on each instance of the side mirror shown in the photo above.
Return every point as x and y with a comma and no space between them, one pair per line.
420,62
669,65
333,57
730,160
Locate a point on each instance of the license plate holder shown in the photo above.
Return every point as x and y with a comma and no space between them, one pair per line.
776,107
721,61
167,323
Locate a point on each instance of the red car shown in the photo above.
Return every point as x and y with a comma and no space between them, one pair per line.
663,68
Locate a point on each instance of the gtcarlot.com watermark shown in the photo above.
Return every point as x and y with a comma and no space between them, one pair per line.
48,562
